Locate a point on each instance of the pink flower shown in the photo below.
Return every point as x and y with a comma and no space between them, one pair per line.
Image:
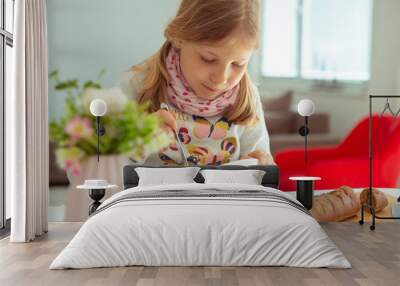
73,167
68,164
76,170
79,128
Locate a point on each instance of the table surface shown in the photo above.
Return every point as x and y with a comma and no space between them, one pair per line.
304,178
387,191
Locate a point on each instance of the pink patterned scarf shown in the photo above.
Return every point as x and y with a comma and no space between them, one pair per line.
184,98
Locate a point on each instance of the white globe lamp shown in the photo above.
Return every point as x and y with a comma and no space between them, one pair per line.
305,107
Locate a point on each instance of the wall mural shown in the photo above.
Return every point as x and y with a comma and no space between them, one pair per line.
139,85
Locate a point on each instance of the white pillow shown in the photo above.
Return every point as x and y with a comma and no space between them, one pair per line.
164,176
249,177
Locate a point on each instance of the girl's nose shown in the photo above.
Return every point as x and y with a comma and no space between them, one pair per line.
219,77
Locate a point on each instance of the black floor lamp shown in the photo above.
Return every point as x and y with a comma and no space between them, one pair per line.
305,184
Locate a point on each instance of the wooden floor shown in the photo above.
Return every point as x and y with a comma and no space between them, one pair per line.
374,255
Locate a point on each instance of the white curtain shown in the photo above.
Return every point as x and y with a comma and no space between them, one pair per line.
27,123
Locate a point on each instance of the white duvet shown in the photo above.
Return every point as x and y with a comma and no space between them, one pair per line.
185,231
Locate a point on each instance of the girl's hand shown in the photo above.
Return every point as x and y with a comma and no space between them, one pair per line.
263,158
168,121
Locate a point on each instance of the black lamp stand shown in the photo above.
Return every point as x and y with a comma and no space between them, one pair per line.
96,195
303,131
305,193
100,131
305,188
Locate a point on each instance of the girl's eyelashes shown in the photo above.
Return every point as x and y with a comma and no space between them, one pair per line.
239,65
209,61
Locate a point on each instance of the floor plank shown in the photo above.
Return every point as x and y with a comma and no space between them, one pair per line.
375,257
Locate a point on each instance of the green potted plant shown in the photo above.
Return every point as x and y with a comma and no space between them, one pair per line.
132,132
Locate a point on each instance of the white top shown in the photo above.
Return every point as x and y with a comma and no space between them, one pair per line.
304,178
96,185
88,187
206,140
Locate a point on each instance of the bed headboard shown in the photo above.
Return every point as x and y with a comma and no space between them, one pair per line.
270,179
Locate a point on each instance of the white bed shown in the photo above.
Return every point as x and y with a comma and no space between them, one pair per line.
224,225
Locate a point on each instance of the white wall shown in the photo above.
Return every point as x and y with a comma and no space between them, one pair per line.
386,48
86,36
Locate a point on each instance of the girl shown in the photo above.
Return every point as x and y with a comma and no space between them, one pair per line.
200,76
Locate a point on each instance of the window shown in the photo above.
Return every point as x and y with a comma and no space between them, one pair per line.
317,39
6,60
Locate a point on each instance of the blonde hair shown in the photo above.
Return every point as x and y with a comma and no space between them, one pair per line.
203,21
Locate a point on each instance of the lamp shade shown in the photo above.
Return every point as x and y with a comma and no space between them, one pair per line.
305,107
98,107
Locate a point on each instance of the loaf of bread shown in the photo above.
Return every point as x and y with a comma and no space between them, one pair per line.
337,205
378,199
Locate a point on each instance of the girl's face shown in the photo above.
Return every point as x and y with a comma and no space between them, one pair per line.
211,69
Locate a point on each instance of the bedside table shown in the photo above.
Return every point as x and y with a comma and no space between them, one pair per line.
97,190
305,190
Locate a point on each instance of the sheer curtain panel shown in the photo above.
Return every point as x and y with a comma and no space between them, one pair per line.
27,124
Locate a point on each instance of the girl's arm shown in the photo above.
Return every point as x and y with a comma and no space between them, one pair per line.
262,157
254,141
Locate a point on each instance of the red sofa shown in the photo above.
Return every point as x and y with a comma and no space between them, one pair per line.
348,162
